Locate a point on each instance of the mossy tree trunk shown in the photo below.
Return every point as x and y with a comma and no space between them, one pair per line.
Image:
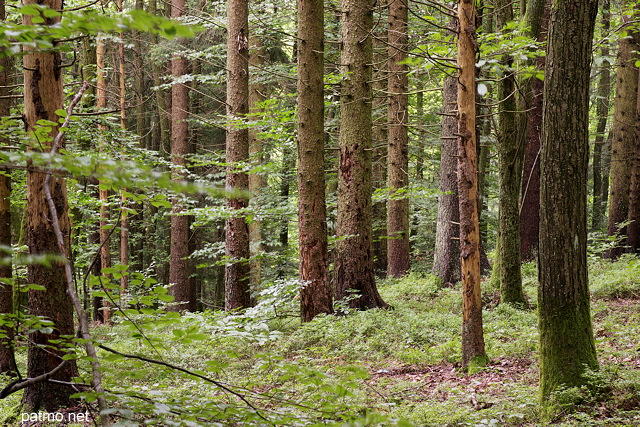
315,297
567,346
43,95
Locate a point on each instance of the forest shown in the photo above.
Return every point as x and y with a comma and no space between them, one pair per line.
319,213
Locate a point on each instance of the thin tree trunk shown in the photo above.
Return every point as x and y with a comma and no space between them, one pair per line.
353,255
567,347
473,352
602,111
398,261
237,150
43,95
315,296
124,216
510,145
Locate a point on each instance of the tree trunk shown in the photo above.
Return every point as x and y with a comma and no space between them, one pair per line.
315,296
43,95
510,145
398,261
633,229
7,358
353,254
446,260
623,141
602,111
537,20
473,352
567,346
179,264
237,232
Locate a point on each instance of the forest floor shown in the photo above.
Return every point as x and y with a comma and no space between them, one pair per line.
379,367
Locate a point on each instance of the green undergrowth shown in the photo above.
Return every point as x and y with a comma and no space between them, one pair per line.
367,368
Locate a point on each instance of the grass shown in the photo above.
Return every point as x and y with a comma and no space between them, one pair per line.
377,367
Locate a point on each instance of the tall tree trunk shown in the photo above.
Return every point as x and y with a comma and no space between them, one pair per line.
602,111
353,255
398,260
510,145
43,95
315,296
124,216
473,352
104,314
7,358
256,147
446,260
622,144
537,20
237,232
633,229
179,264
567,346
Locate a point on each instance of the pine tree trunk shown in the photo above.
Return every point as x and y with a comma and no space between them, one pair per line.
43,95
315,296
602,111
510,145
398,261
473,352
446,260
237,232
7,358
633,229
353,254
622,144
567,346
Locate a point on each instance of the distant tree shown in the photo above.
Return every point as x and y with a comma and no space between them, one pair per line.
237,151
624,134
43,95
567,346
398,261
315,296
353,254
473,351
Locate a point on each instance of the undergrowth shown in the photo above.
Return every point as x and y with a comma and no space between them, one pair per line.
378,367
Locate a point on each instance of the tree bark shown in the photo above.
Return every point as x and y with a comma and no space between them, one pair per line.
446,260
315,296
510,144
622,144
7,358
353,254
398,260
567,344
43,95
633,229
237,232
473,351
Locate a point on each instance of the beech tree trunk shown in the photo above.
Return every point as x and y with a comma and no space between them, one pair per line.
43,95
353,255
398,260
315,296
473,351
567,346
237,232
622,143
